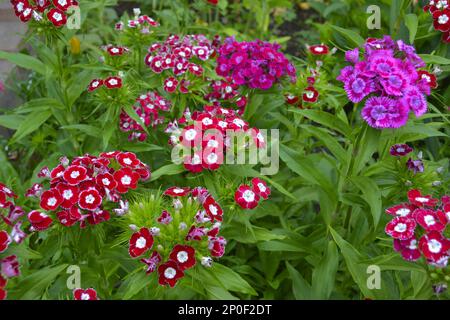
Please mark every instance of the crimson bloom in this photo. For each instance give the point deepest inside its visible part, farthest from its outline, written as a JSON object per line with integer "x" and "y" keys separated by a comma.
{"x": 260, "y": 188}
{"x": 310, "y": 94}
{"x": 246, "y": 197}
{"x": 177, "y": 191}
{"x": 5, "y": 240}
{"x": 140, "y": 242}
{"x": 113, "y": 82}
{"x": 434, "y": 246}
{"x": 51, "y": 199}
{"x": 57, "y": 17}
{"x": 401, "y": 228}
{"x": 184, "y": 256}
{"x": 416, "y": 198}
{"x": 400, "y": 150}
{"x": 89, "y": 199}
{"x": 319, "y": 49}
{"x": 169, "y": 273}
{"x": 85, "y": 294}
{"x": 126, "y": 179}
{"x": 39, "y": 221}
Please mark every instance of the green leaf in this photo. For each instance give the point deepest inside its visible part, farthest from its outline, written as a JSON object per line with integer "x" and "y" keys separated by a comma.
{"x": 32, "y": 287}
{"x": 411, "y": 23}
{"x": 231, "y": 280}
{"x": 24, "y": 61}
{"x": 326, "y": 119}
{"x": 371, "y": 194}
{"x": 432, "y": 59}
{"x": 167, "y": 170}
{"x": 30, "y": 124}
{"x": 324, "y": 273}
{"x": 350, "y": 35}
{"x": 300, "y": 287}
{"x": 85, "y": 128}
{"x": 11, "y": 121}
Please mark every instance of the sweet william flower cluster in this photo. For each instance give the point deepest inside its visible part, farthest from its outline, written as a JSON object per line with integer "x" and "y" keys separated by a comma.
{"x": 79, "y": 190}
{"x": 54, "y": 11}
{"x": 185, "y": 231}
{"x": 440, "y": 11}
{"x": 248, "y": 197}
{"x": 10, "y": 232}
{"x": 391, "y": 79}
{"x": 418, "y": 228}
{"x": 256, "y": 64}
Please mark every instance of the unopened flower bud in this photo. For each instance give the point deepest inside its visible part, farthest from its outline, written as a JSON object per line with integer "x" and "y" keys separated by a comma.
{"x": 177, "y": 204}
{"x": 155, "y": 231}
{"x": 440, "y": 170}
{"x": 207, "y": 262}
{"x": 437, "y": 70}
{"x": 137, "y": 12}
{"x": 420, "y": 155}
{"x": 160, "y": 247}
{"x": 182, "y": 226}
{"x": 436, "y": 183}
{"x": 133, "y": 227}
{"x": 408, "y": 183}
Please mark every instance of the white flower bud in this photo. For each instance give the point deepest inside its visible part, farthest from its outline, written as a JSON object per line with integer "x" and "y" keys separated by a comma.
{"x": 207, "y": 262}
{"x": 182, "y": 226}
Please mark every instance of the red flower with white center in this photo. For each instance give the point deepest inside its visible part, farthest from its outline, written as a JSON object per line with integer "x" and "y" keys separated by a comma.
{"x": 113, "y": 82}
{"x": 429, "y": 220}
{"x": 106, "y": 180}
{"x": 169, "y": 273}
{"x": 57, "y": 17}
{"x": 165, "y": 217}
{"x": 441, "y": 20}
{"x": 213, "y": 209}
{"x": 180, "y": 67}
{"x": 429, "y": 78}
{"x": 5, "y": 240}
{"x": 143, "y": 171}
{"x": 319, "y": 49}
{"x": 75, "y": 175}
{"x": 177, "y": 191}
{"x": 260, "y": 188}
{"x": 191, "y": 136}
{"x": 195, "y": 69}
{"x": 140, "y": 242}
{"x": 156, "y": 64}
{"x": 193, "y": 163}
{"x": 184, "y": 256}
{"x": 20, "y": 6}
{"x": 195, "y": 233}
{"x": 401, "y": 210}
{"x": 7, "y": 191}
{"x": 51, "y": 199}
{"x": 69, "y": 217}
{"x": 109, "y": 155}
{"x": 401, "y": 228}
{"x": 152, "y": 262}
{"x": 128, "y": 159}
{"x": 434, "y": 246}
{"x": 291, "y": 99}
{"x": 416, "y": 198}
{"x": 95, "y": 84}
{"x": 62, "y": 4}
{"x": 310, "y": 95}
{"x": 88, "y": 294}
{"x": 212, "y": 159}
{"x": 444, "y": 215}
{"x": 237, "y": 123}
{"x": 409, "y": 249}
{"x": 201, "y": 52}
{"x": 170, "y": 84}
{"x": 246, "y": 197}
{"x": 168, "y": 62}
{"x": 26, "y": 14}
{"x": 41, "y": 5}
{"x": 69, "y": 194}
{"x": 126, "y": 179}
{"x": 39, "y": 221}
{"x": 216, "y": 246}
{"x": 89, "y": 199}
{"x": 115, "y": 51}
{"x": 57, "y": 172}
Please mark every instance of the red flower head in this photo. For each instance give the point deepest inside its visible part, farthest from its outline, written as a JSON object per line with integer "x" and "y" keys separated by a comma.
{"x": 10, "y": 267}
{"x": 195, "y": 69}
{"x": 95, "y": 84}
{"x": 165, "y": 218}
{"x": 140, "y": 242}
{"x": 429, "y": 78}
{"x": 434, "y": 246}
{"x": 260, "y": 188}
{"x": 291, "y": 99}
{"x": 98, "y": 216}
{"x": 51, "y": 199}
{"x": 88, "y": 294}
{"x": 177, "y": 191}
{"x": 191, "y": 136}
{"x": 115, "y": 51}
{"x": 75, "y": 174}
{"x": 319, "y": 49}
{"x": 212, "y": 158}
{"x": 5, "y": 240}
{"x": 442, "y": 20}
{"x": 217, "y": 246}
{"x": 89, "y": 199}
{"x": 408, "y": 248}
{"x": 310, "y": 95}
{"x": 429, "y": 220}
{"x": 401, "y": 210}
{"x": 400, "y": 150}
{"x": 213, "y": 2}
{"x": 39, "y": 221}
{"x": 213, "y": 209}
{"x": 57, "y": 17}
{"x": 416, "y": 198}
{"x": 184, "y": 256}
{"x": 113, "y": 82}
{"x": 170, "y": 84}
{"x": 69, "y": 194}
{"x": 106, "y": 180}
{"x": 41, "y": 5}
{"x": 69, "y": 217}
{"x": 401, "y": 228}
{"x": 152, "y": 262}
{"x": 246, "y": 197}
{"x": 126, "y": 179}
{"x": 169, "y": 273}
{"x": 193, "y": 163}
{"x": 62, "y": 4}
{"x": 128, "y": 159}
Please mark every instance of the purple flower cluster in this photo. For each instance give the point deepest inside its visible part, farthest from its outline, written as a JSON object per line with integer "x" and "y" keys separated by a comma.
{"x": 388, "y": 76}
{"x": 256, "y": 64}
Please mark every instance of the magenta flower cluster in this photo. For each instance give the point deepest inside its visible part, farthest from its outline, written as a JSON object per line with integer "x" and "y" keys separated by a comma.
{"x": 388, "y": 76}
{"x": 256, "y": 64}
